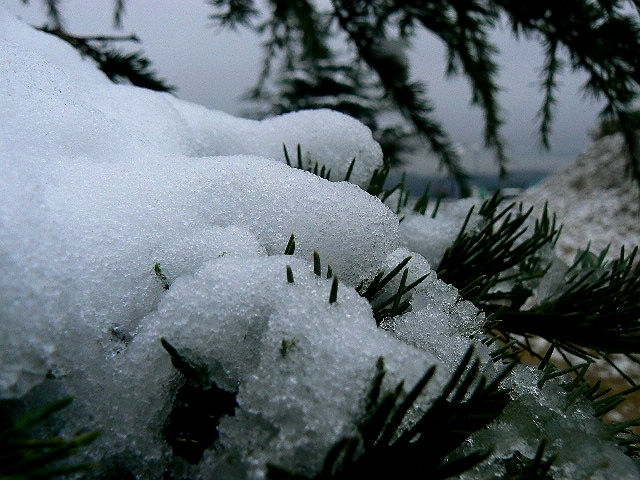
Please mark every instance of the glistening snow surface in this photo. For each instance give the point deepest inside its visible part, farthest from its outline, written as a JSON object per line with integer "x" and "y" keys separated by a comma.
{"x": 102, "y": 182}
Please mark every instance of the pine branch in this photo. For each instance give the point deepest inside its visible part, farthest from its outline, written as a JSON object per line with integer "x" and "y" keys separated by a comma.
{"x": 463, "y": 29}
{"x": 600, "y": 38}
{"x": 232, "y": 13}
{"x": 164, "y": 281}
{"x": 23, "y": 455}
{"x": 117, "y": 66}
{"x": 595, "y": 310}
{"x": 390, "y": 446}
{"x": 355, "y": 18}
{"x": 53, "y": 13}
{"x": 602, "y": 399}
{"x": 499, "y": 250}
{"x": 549, "y": 86}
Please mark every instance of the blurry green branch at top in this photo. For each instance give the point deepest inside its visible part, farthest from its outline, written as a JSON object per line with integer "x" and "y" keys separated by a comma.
{"x": 350, "y": 56}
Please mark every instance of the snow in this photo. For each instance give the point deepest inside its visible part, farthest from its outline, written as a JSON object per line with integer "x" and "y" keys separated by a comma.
{"x": 432, "y": 236}
{"x": 103, "y": 184}
{"x": 595, "y": 200}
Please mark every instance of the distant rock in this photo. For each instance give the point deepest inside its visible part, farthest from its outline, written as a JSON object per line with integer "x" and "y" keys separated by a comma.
{"x": 594, "y": 198}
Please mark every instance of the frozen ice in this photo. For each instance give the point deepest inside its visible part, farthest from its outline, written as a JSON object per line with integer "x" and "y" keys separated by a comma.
{"x": 128, "y": 215}
{"x": 577, "y": 438}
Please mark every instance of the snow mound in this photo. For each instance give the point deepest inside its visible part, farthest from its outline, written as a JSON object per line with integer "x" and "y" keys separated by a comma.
{"x": 595, "y": 200}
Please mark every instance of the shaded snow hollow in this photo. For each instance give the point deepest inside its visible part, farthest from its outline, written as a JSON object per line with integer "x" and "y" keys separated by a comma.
{"x": 100, "y": 182}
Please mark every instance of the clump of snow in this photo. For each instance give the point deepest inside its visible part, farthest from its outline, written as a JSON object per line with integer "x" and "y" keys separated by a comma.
{"x": 99, "y": 119}
{"x": 128, "y": 215}
{"x": 93, "y": 232}
{"x": 595, "y": 200}
{"x": 334, "y": 146}
{"x": 96, "y": 201}
{"x": 234, "y": 315}
{"x": 432, "y": 236}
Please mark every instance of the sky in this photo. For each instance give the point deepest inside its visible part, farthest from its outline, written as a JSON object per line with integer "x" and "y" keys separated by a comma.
{"x": 214, "y": 67}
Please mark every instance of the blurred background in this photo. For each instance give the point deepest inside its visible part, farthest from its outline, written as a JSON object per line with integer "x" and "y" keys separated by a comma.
{"x": 216, "y": 67}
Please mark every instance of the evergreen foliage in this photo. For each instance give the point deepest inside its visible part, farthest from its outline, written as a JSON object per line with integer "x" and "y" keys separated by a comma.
{"x": 481, "y": 260}
{"x": 597, "y": 38}
{"x": 394, "y": 304}
{"x": 592, "y": 314}
{"x": 369, "y": 72}
{"x": 610, "y": 126}
{"x": 599, "y": 303}
{"x": 387, "y": 446}
{"x": 118, "y": 66}
{"x": 27, "y": 455}
{"x": 595, "y": 309}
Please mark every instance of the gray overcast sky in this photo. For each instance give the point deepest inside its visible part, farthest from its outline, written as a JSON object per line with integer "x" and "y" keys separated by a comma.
{"x": 213, "y": 68}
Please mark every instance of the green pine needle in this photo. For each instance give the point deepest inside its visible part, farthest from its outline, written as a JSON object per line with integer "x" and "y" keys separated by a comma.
{"x": 381, "y": 280}
{"x": 286, "y": 155}
{"x": 333, "y": 294}
{"x": 289, "y": 274}
{"x": 317, "y": 268}
{"x": 161, "y": 276}
{"x": 291, "y": 245}
{"x": 347, "y": 177}
{"x": 25, "y": 456}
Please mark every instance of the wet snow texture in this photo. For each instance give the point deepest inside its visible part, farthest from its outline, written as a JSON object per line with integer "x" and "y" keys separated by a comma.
{"x": 101, "y": 182}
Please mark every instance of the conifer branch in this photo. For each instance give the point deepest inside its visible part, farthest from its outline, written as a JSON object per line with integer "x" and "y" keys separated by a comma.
{"x": 24, "y": 455}
{"x": 388, "y": 445}
{"x": 463, "y": 30}
{"x": 232, "y": 13}
{"x": 596, "y": 310}
{"x": 498, "y": 250}
{"x": 117, "y": 66}
{"x": 53, "y": 13}
{"x": 409, "y": 97}
{"x": 552, "y": 67}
